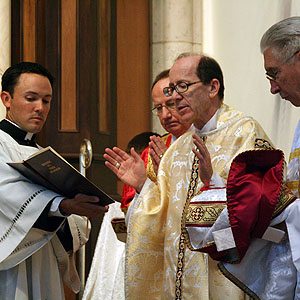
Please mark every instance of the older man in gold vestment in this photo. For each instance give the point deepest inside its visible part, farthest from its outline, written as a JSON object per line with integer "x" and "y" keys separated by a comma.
{"x": 158, "y": 263}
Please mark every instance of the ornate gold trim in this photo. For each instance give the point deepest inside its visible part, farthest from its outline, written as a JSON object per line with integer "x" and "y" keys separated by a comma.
{"x": 262, "y": 144}
{"x": 203, "y": 214}
{"x": 293, "y": 185}
{"x": 294, "y": 154}
{"x": 286, "y": 197}
{"x": 182, "y": 240}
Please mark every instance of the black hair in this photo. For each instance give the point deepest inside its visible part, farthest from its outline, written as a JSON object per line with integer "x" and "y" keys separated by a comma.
{"x": 207, "y": 70}
{"x": 140, "y": 141}
{"x": 11, "y": 75}
{"x": 162, "y": 75}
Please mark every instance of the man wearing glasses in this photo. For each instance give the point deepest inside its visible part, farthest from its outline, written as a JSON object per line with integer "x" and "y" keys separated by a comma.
{"x": 159, "y": 265}
{"x": 171, "y": 121}
{"x": 280, "y": 46}
{"x": 277, "y": 265}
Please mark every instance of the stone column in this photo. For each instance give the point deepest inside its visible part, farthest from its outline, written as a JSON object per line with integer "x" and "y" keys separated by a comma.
{"x": 176, "y": 28}
{"x": 4, "y": 41}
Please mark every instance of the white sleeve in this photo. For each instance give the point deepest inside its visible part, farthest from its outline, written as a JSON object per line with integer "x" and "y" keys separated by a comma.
{"x": 54, "y": 208}
{"x": 216, "y": 181}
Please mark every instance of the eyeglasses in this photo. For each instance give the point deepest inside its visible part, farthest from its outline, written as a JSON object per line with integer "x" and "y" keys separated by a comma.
{"x": 273, "y": 73}
{"x": 170, "y": 105}
{"x": 180, "y": 87}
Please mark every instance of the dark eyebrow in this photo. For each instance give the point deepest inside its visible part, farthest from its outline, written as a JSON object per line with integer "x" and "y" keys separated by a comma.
{"x": 37, "y": 94}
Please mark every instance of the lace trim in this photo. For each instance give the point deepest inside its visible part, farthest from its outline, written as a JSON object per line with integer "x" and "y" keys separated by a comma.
{"x": 81, "y": 243}
{"x": 19, "y": 214}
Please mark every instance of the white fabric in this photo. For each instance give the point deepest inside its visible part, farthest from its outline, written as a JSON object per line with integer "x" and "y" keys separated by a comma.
{"x": 17, "y": 218}
{"x": 35, "y": 267}
{"x": 269, "y": 270}
{"x": 106, "y": 277}
{"x": 293, "y": 212}
{"x": 272, "y": 271}
{"x": 33, "y": 262}
{"x": 54, "y": 208}
{"x": 294, "y": 163}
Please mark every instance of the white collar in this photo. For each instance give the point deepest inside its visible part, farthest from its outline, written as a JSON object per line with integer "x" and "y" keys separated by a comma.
{"x": 28, "y": 136}
{"x": 210, "y": 125}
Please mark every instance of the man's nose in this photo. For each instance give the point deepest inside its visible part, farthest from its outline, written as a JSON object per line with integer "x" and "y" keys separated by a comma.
{"x": 176, "y": 95}
{"x": 165, "y": 113}
{"x": 38, "y": 105}
{"x": 274, "y": 87}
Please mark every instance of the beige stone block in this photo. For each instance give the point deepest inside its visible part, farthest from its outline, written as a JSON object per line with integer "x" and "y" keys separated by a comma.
{"x": 174, "y": 20}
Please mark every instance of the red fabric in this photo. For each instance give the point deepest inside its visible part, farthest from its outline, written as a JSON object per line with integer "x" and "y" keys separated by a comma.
{"x": 168, "y": 140}
{"x": 253, "y": 189}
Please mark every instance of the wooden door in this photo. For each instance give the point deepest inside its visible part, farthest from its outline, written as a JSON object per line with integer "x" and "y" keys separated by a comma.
{"x": 84, "y": 44}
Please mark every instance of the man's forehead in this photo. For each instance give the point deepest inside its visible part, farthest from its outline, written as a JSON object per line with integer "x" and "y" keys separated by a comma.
{"x": 157, "y": 91}
{"x": 183, "y": 68}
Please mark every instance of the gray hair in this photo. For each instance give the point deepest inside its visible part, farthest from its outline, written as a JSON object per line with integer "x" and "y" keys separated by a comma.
{"x": 283, "y": 38}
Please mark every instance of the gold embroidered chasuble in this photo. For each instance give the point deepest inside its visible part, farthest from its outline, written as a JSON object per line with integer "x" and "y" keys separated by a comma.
{"x": 155, "y": 266}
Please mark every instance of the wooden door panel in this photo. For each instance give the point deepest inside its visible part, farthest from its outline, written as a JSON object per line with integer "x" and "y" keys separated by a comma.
{"x": 77, "y": 41}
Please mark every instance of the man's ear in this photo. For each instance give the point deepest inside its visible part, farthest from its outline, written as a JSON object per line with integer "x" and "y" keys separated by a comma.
{"x": 6, "y": 99}
{"x": 214, "y": 88}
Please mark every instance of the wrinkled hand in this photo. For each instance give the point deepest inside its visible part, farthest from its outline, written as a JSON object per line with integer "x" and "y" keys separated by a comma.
{"x": 130, "y": 169}
{"x": 157, "y": 150}
{"x": 82, "y": 205}
{"x": 205, "y": 166}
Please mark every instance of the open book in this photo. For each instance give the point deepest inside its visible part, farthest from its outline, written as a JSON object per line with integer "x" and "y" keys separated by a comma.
{"x": 49, "y": 169}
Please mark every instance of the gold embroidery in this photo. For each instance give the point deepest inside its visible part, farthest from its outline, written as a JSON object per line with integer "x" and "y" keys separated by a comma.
{"x": 286, "y": 197}
{"x": 203, "y": 214}
{"x": 293, "y": 185}
{"x": 262, "y": 144}
{"x": 295, "y": 154}
{"x": 183, "y": 234}
{"x": 182, "y": 240}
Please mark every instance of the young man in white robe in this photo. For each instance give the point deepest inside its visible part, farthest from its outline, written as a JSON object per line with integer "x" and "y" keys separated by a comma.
{"x": 40, "y": 230}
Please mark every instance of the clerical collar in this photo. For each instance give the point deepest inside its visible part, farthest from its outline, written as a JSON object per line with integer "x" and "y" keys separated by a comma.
{"x": 19, "y": 135}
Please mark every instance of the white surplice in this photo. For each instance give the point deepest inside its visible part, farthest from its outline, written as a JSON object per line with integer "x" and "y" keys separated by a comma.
{"x": 33, "y": 262}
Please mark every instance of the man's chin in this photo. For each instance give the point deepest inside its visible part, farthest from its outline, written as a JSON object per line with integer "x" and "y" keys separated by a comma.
{"x": 35, "y": 128}
{"x": 294, "y": 101}
{"x": 172, "y": 127}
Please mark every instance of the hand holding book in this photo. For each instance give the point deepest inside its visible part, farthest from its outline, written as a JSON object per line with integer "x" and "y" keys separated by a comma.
{"x": 82, "y": 205}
